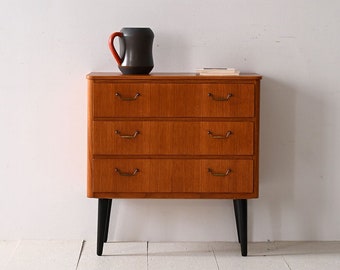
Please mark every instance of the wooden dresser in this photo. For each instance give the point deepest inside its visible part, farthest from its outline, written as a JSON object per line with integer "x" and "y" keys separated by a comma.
{"x": 173, "y": 136}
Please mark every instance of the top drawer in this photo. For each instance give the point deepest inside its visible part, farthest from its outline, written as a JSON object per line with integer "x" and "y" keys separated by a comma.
{"x": 173, "y": 100}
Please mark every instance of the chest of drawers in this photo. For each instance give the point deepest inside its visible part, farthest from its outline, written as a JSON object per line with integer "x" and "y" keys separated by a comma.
{"x": 173, "y": 136}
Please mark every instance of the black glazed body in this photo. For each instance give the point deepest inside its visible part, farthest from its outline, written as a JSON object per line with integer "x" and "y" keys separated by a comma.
{"x": 135, "y": 50}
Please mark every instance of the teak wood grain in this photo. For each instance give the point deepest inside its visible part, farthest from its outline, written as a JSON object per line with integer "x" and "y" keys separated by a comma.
{"x": 173, "y": 138}
{"x": 173, "y": 175}
{"x": 173, "y": 100}
{"x": 180, "y": 119}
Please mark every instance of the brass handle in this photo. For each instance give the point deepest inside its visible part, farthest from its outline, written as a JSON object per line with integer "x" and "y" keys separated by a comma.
{"x": 226, "y": 136}
{"x": 228, "y": 171}
{"x": 126, "y": 136}
{"x": 220, "y": 98}
{"x": 126, "y": 173}
{"x": 127, "y": 98}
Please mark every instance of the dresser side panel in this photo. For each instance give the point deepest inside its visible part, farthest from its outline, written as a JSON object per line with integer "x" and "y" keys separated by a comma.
{"x": 257, "y": 138}
{"x": 89, "y": 138}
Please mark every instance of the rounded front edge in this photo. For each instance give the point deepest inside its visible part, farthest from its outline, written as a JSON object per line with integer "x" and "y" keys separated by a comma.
{"x": 170, "y": 195}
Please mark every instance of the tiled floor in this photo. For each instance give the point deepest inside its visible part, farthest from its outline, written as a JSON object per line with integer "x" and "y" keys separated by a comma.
{"x": 80, "y": 255}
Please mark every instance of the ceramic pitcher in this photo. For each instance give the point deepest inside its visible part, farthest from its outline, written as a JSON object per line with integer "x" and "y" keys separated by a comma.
{"x": 135, "y": 50}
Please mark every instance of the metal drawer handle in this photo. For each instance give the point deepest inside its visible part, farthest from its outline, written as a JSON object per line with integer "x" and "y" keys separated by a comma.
{"x": 218, "y": 173}
{"x": 126, "y": 173}
{"x": 226, "y": 136}
{"x": 220, "y": 98}
{"x": 127, "y": 98}
{"x": 126, "y": 136}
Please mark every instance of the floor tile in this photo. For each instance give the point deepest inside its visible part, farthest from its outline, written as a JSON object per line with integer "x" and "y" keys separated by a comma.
{"x": 37, "y": 255}
{"x": 7, "y": 249}
{"x": 310, "y": 255}
{"x": 42, "y": 255}
{"x": 189, "y": 256}
{"x": 120, "y": 255}
{"x": 313, "y": 262}
{"x": 228, "y": 256}
{"x": 299, "y": 248}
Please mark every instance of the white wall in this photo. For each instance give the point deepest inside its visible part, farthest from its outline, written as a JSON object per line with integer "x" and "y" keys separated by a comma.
{"x": 47, "y": 48}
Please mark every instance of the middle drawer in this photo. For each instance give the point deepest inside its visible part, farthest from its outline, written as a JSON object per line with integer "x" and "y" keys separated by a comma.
{"x": 173, "y": 138}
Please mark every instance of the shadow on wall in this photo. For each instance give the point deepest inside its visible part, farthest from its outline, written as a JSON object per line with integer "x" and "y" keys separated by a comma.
{"x": 293, "y": 196}
{"x": 290, "y": 167}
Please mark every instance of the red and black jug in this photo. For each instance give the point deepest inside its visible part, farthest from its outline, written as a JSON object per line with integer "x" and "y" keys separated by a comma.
{"x": 135, "y": 50}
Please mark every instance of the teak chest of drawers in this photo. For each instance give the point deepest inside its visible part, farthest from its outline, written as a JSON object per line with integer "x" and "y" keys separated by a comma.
{"x": 173, "y": 136}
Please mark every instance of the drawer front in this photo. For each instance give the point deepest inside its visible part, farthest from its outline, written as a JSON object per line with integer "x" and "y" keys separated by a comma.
{"x": 120, "y": 175}
{"x": 173, "y": 175}
{"x": 173, "y": 100}
{"x": 121, "y": 100}
{"x": 172, "y": 138}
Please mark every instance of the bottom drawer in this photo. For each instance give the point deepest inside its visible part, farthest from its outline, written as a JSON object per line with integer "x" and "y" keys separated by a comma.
{"x": 172, "y": 175}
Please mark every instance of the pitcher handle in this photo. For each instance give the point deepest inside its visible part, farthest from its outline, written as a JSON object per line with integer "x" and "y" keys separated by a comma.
{"x": 112, "y": 48}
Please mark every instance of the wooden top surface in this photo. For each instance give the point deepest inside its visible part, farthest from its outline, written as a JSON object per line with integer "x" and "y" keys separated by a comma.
{"x": 168, "y": 76}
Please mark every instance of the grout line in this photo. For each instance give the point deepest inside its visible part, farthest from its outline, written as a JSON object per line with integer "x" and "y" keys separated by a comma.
{"x": 80, "y": 253}
{"x": 218, "y": 267}
{"x": 11, "y": 256}
{"x": 284, "y": 259}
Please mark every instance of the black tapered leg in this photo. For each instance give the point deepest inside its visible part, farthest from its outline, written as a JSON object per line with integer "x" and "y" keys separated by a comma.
{"x": 107, "y": 222}
{"x": 103, "y": 207}
{"x": 237, "y": 218}
{"x": 240, "y": 208}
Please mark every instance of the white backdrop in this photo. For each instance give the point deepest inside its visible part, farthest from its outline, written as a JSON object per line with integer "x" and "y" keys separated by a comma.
{"x": 48, "y": 47}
